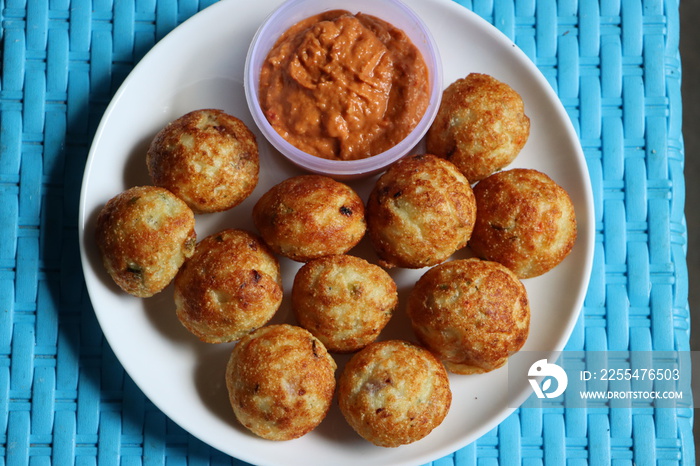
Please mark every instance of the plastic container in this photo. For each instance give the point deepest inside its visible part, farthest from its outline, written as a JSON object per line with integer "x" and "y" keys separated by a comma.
{"x": 293, "y": 11}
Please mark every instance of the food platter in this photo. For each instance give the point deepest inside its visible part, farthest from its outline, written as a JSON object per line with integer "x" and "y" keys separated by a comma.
{"x": 200, "y": 65}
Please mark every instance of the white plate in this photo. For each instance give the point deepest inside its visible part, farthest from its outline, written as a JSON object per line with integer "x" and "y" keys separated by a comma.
{"x": 200, "y": 64}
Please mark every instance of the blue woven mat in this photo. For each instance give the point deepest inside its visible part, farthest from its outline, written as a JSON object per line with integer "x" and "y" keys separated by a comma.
{"x": 64, "y": 398}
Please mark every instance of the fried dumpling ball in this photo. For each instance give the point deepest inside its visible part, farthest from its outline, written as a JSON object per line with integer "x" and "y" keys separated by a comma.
{"x": 310, "y": 216}
{"x": 420, "y": 211}
{"x": 472, "y": 314}
{"x": 144, "y": 234}
{"x": 208, "y": 158}
{"x": 526, "y": 221}
{"x": 343, "y": 300}
{"x": 280, "y": 381}
{"x": 480, "y": 126}
{"x": 229, "y": 287}
{"x": 394, "y": 393}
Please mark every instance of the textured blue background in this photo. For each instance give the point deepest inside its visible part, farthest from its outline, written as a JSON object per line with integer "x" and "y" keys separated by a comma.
{"x": 65, "y": 399}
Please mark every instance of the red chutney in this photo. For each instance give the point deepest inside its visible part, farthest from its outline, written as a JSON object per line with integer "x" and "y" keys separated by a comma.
{"x": 343, "y": 86}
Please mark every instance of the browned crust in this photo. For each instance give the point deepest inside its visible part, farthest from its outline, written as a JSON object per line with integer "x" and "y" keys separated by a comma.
{"x": 526, "y": 222}
{"x": 229, "y": 287}
{"x": 480, "y": 126}
{"x": 394, "y": 393}
{"x": 310, "y": 216}
{"x": 144, "y": 234}
{"x": 420, "y": 212}
{"x": 473, "y": 314}
{"x": 206, "y": 157}
{"x": 343, "y": 300}
{"x": 280, "y": 381}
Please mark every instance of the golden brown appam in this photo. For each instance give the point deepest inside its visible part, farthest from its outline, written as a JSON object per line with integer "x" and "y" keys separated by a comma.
{"x": 420, "y": 211}
{"x": 309, "y": 216}
{"x": 144, "y": 234}
{"x": 472, "y": 314}
{"x": 343, "y": 300}
{"x": 394, "y": 393}
{"x": 280, "y": 381}
{"x": 526, "y": 221}
{"x": 481, "y": 126}
{"x": 206, "y": 157}
{"x": 229, "y": 287}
